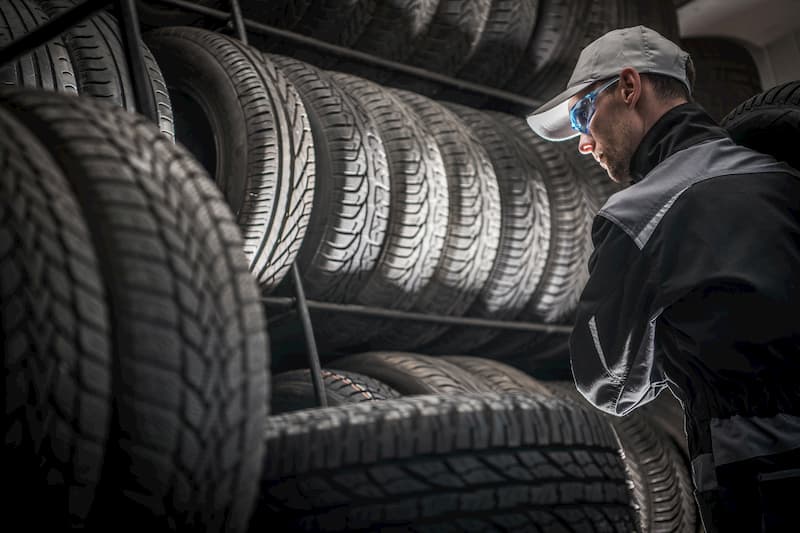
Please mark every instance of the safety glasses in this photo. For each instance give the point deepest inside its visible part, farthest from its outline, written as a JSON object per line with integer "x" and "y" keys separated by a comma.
{"x": 582, "y": 112}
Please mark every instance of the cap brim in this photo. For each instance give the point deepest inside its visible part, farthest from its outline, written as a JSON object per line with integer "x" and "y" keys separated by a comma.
{"x": 551, "y": 121}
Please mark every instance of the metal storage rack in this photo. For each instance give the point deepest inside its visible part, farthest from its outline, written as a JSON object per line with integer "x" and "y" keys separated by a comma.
{"x": 131, "y": 35}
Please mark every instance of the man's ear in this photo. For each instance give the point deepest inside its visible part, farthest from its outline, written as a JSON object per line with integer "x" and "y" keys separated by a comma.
{"x": 631, "y": 85}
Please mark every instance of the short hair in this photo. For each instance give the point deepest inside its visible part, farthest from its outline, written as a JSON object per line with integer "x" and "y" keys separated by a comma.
{"x": 668, "y": 87}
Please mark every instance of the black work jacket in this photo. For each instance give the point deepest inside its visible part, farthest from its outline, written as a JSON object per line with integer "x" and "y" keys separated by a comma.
{"x": 695, "y": 285}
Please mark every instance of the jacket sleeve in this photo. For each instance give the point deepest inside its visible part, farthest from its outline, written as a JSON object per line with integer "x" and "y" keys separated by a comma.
{"x": 612, "y": 347}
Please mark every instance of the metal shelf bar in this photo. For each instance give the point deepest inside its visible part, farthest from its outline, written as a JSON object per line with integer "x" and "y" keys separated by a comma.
{"x": 361, "y": 310}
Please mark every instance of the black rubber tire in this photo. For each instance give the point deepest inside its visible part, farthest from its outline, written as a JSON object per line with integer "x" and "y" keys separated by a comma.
{"x": 285, "y": 14}
{"x": 46, "y": 67}
{"x": 190, "y": 356}
{"x": 411, "y": 374}
{"x": 154, "y": 14}
{"x": 240, "y": 116}
{"x": 473, "y": 233}
{"x": 659, "y": 15}
{"x": 565, "y": 27}
{"x": 394, "y": 26}
{"x": 596, "y": 187}
{"x": 450, "y": 40}
{"x": 497, "y": 54}
{"x": 498, "y": 376}
{"x": 508, "y": 29}
{"x": 524, "y": 234}
{"x": 348, "y": 224}
{"x": 293, "y": 390}
{"x": 769, "y": 122}
{"x": 97, "y": 53}
{"x": 337, "y": 21}
{"x": 418, "y": 214}
{"x": 667, "y": 413}
{"x": 683, "y": 469}
{"x": 55, "y": 338}
{"x": 483, "y": 462}
{"x": 560, "y": 287}
{"x": 653, "y": 466}
{"x": 726, "y": 74}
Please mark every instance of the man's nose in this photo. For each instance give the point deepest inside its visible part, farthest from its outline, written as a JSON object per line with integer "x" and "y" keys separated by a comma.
{"x": 585, "y": 144}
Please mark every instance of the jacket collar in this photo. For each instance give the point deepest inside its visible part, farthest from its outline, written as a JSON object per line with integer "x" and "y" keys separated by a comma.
{"x": 681, "y": 127}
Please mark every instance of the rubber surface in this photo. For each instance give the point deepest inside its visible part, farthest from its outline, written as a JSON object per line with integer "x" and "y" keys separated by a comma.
{"x": 557, "y": 294}
{"x": 257, "y": 139}
{"x": 190, "y": 359}
{"x": 55, "y": 338}
{"x": 97, "y": 53}
{"x": 410, "y": 373}
{"x": 657, "y": 471}
{"x": 498, "y": 376}
{"x": 473, "y": 232}
{"x": 418, "y": 212}
{"x": 484, "y": 462}
{"x": 46, "y": 67}
{"x": 293, "y": 390}
{"x": 524, "y": 234}
{"x": 769, "y": 122}
{"x": 726, "y": 74}
{"x": 347, "y": 227}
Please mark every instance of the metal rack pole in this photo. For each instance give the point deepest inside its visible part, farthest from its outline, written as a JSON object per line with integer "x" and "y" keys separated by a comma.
{"x": 51, "y": 29}
{"x": 131, "y": 39}
{"x": 313, "y": 355}
{"x": 238, "y": 22}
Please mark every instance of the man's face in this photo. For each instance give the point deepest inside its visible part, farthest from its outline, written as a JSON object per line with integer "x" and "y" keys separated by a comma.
{"x": 611, "y": 138}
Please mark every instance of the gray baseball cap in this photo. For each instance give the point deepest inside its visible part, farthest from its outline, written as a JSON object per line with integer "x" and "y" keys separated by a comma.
{"x": 639, "y": 47}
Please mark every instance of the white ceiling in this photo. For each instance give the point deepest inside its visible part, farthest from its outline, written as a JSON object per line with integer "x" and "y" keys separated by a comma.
{"x": 758, "y": 22}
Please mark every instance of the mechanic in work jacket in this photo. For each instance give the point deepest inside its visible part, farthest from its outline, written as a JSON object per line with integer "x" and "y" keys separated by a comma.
{"x": 695, "y": 286}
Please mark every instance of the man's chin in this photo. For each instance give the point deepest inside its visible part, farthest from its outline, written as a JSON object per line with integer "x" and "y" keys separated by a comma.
{"x": 623, "y": 178}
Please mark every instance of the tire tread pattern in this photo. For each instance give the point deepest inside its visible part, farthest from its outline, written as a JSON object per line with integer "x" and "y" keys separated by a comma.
{"x": 98, "y": 56}
{"x": 445, "y": 463}
{"x": 293, "y": 390}
{"x": 275, "y": 204}
{"x": 48, "y": 66}
{"x": 189, "y": 374}
{"x": 55, "y": 337}
{"x": 347, "y": 228}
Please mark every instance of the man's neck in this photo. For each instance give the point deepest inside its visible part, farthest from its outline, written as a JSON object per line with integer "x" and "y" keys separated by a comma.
{"x": 679, "y": 127}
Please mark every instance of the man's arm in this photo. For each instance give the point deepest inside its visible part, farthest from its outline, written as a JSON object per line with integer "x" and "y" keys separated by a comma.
{"x": 612, "y": 347}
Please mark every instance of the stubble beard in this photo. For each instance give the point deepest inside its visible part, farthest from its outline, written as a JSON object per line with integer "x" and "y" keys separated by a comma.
{"x": 618, "y": 156}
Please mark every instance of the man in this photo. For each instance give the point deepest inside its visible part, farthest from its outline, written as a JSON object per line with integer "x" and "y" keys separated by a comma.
{"x": 695, "y": 276}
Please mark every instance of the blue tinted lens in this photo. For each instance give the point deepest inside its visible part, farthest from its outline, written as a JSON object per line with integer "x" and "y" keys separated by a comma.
{"x": 581, "y": 113}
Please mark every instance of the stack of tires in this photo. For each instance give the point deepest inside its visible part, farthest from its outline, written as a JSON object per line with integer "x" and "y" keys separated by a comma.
{"x": 532, "y": 482}
{"x": 134, "y": 343}
{"x": 384, "y": 197}
{"x": 524, "y": 46}
{"x": 135, "y": 346}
